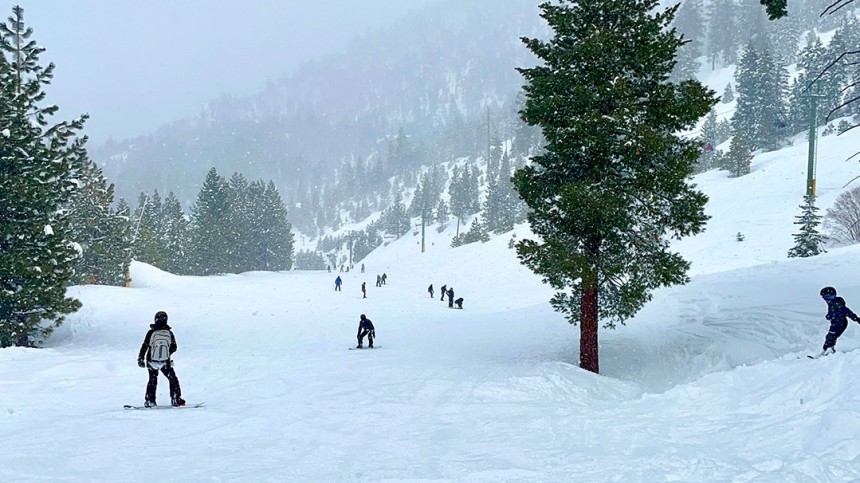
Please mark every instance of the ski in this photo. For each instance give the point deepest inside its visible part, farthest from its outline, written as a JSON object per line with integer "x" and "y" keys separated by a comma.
{"x": 196, "y": 405}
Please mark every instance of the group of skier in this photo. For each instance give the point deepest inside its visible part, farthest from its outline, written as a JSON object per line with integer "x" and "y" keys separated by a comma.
{"x": 449, "y": 292}
{"x": 159, "y": 344}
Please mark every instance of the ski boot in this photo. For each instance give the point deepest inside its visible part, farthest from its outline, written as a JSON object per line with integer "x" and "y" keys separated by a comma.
{"x": 149, "y": 404}
{"x": 177, "y": 401}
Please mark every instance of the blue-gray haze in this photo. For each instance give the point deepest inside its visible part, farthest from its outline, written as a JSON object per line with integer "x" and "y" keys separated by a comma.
{"x": 136, "y": 65}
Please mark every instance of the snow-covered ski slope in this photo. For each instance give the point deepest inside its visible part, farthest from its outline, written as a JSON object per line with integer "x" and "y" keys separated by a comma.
{"x": 704, "y": 384}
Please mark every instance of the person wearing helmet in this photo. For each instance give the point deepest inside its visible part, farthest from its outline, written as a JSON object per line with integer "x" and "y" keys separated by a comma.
{"x": 837, "y": 314}
{"x": 365, "y": 328}
{"x": 155, "y": 354}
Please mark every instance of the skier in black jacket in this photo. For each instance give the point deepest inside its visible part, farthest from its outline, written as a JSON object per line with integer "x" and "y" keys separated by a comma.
{"x": 155, "y": 354}
{"x": 365, "y": 328}
{"x": 838, "y": 315}
{"x": 450, "y": 297}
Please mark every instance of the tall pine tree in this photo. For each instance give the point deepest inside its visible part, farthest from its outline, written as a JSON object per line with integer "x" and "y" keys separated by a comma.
{"x": 613, "y": 182}
{"x": 37, "y": 250}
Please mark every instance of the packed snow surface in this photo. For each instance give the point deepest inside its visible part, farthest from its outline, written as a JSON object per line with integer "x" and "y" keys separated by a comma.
{"x": 709, "y": 382}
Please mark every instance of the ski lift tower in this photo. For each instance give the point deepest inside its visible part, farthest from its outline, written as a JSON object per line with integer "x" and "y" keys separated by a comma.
{"x": 812, "y": 158}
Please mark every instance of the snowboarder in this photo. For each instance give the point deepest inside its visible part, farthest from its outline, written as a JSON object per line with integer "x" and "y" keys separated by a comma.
{"x": 158, "y": 345}
{"x": 837, "y": 314}
{"x": 364, "y": 290}
{"x": 365, "y": 328}
{"x": 337, "y": 283}
{"x": 459, "y": 303}
{"x": 443, "y": 292}
{"x": 384, "y": 278}
{"x": 430, "y": 289}
{"x": 451, "y": 298}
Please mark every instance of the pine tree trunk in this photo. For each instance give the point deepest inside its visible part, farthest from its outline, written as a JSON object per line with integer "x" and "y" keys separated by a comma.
{"x": 588, "y": 350}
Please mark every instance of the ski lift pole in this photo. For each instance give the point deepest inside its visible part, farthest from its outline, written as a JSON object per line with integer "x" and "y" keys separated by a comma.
{"x": 134, "y": 239}
{"x": 813, "y": 134}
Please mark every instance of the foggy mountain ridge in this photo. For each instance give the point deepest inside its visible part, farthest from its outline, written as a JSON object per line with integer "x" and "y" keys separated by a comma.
{"x": 444, "y": 65}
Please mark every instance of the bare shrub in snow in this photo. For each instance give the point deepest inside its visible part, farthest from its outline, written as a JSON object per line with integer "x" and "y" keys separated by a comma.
{"x": 842, "y": 221}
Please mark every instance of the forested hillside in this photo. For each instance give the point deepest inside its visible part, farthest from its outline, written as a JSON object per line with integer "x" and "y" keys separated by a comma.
{"x": 346, "y": 136}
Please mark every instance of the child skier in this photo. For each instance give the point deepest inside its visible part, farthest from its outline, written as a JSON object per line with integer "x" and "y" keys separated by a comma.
{"x": 837, "y": 314}
{"x": 365, "y": 328}
{"x": 158, "y": 345}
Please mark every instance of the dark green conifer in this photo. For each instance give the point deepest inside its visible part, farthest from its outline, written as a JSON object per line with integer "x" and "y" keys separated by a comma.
{"x": 613, "y": 183}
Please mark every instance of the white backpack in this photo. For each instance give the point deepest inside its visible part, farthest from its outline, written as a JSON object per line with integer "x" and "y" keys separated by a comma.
{"x": 159, "y": 348}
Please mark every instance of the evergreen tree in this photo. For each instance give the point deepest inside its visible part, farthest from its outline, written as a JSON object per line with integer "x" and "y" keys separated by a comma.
{"x": 503, "y": 207}
{"x": 103, "y": 233}
{"x": 147, "y": 237}
{"x": 613, "y": 182}
{"x": 460, "y": 204}
{"x": 761, "y": 85}
{"x": 728, "y": 94}
{"x": 441, "y": 212}
{"x": 175, "y": 236}
{"x": 722, "y": 18}
{"x": 240, "y": 234}
{"x": 272, "y": 241}
{"x": 809, "y": 242}
{"x": 309, "y": 260}
{"x": 210, "y": 227}
{"x": 709, "y": 142}
{"x": 738, "y": 160}
{"x": 690, "y": 23}
{"x": 477, "y": 233}
{"x": 37, "y": 252}
{"x": 396, "y": 218}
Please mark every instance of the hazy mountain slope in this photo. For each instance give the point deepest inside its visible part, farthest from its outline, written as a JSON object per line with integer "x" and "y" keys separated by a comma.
{"x": 445, "y": 64}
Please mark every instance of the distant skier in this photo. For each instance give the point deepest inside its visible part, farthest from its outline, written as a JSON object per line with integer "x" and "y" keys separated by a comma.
{"x": 378, "y": 281}
{"x": 837, "y": 314}
{"x": 364, "y": 290}
{"x": 365, "y": 328}
{"x": 384, "y": 278}
{"x": 430, "y": 290}
{"x": 451, "y": 297}
{"x": 337, "y": 283}
{"x": 158, "y": 345}
{"x": 459, "y": 303}
{"x": 328, "y": 267}
{"x": 443, "y": 292}
{"x": 362, "y": 268}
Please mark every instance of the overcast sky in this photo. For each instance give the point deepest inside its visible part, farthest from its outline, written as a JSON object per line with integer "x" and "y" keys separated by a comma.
{"x": 134, "y": 65}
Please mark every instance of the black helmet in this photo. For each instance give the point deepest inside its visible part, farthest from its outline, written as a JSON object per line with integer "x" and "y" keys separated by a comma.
{"x": 363, "y": 317}
{"x": 828, "y": 292}
{"x": 161, "y": 317}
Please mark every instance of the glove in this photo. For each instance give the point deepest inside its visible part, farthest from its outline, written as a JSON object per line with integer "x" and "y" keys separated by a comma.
{"x": 140, "y": 363}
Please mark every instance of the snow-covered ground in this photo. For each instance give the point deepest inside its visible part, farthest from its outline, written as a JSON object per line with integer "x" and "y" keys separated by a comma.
{"x": 705, "y": 384}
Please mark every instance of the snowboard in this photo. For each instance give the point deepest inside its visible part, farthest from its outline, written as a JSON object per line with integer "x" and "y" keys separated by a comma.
{"x": 364, "y": 348}
{"x": 167, "y": 406}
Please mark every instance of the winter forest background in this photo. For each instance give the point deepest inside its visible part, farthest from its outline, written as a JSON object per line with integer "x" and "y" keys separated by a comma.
{"x": 363, "y": 147}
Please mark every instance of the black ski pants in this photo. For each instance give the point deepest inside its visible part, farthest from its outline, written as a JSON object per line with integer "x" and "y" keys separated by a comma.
{"x": 836, "y": 329}
{"x": 369, "y": 334}
{"x": 152, "y": 385}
